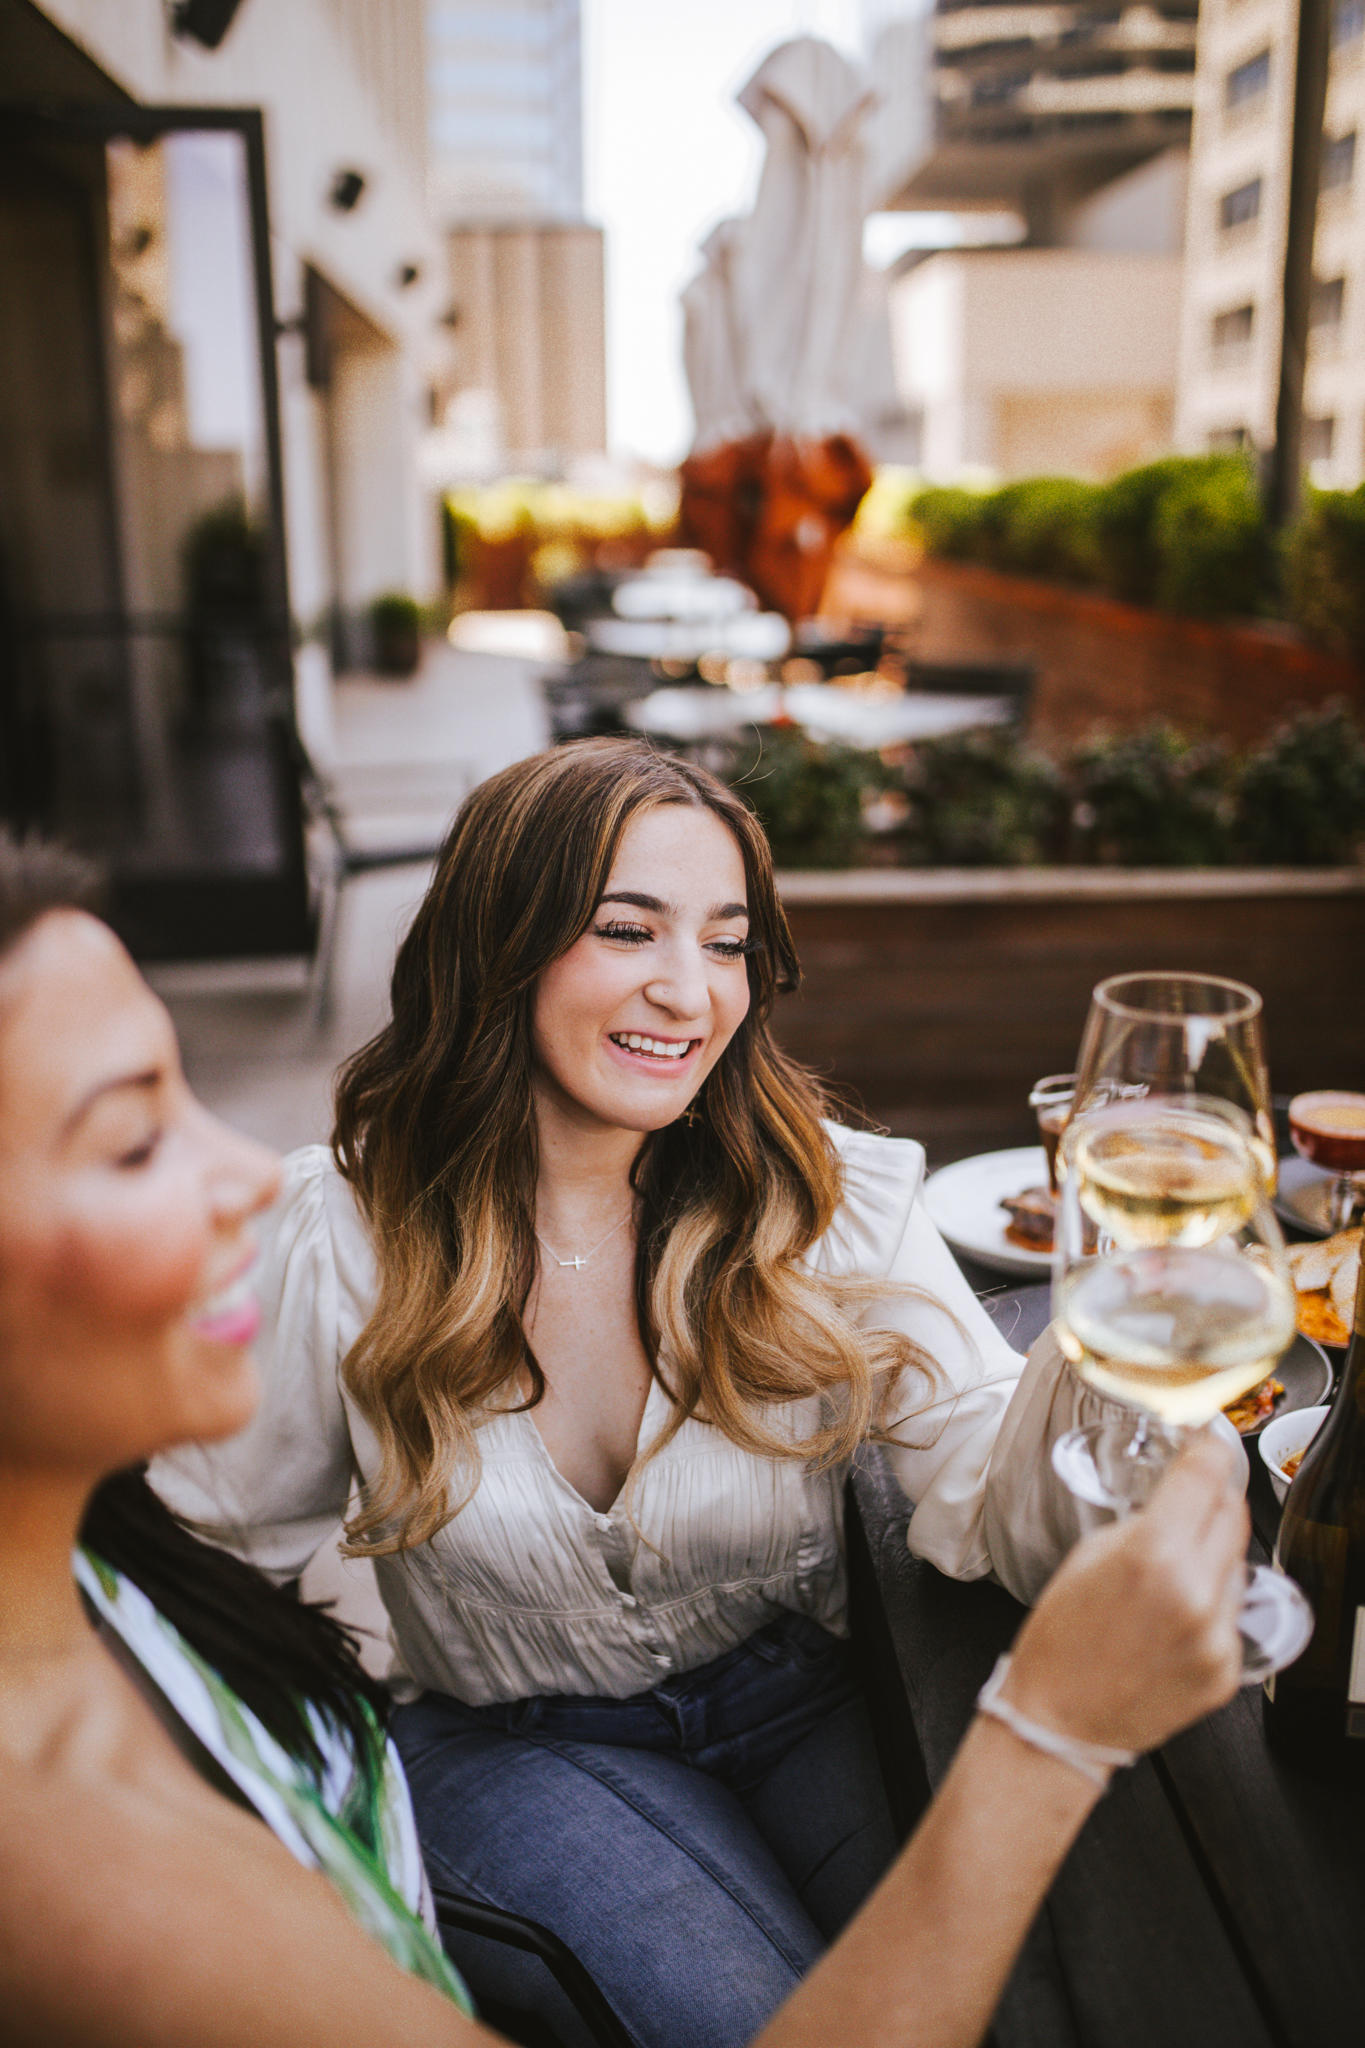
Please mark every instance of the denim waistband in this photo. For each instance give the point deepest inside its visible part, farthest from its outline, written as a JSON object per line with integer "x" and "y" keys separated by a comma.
{"x": 791, "y": 1661}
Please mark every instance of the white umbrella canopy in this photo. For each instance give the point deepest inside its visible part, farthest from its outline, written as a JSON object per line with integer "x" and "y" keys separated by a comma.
{"x": 777, "y": 321}
{"x": 711, "y": 346}
{"x": 787, "y": 345}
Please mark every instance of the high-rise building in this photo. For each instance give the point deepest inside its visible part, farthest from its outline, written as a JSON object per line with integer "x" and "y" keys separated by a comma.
{"x": 505, "y": 97}
{"x": 526, "y": 270}
{"x": 1235, "y": 240}
{"x": 1036, "y": 106}
{"x": 1056, "y": 352}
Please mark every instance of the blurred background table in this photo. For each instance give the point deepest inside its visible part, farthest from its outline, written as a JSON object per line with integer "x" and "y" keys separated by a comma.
{"x": 855, "y": 718}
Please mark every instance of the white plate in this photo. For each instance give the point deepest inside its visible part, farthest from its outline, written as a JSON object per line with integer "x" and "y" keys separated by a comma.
{"x": 964, "y": 1201}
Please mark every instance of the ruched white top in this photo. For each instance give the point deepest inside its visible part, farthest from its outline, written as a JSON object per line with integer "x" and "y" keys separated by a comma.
{"x": 529, "y": 1590}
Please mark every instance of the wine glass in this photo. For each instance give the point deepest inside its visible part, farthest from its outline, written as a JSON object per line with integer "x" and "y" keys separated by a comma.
{"x": 1179, "y": 1034}
{"x": 1172, "y": 1296}
{"x": 1328, "y": 1127}
{"x": 1051, "y": 1101}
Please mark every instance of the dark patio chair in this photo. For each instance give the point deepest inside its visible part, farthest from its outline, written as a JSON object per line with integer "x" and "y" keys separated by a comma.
{"x": 346, "y": 860}
{"x": 457, "y": 1914}
{"x": 984, "y": 678}
{"x": 874, "y": 1654}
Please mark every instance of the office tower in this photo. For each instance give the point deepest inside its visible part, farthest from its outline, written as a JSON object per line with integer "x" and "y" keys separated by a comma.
{"x": 526, "y": 269}
{"x": 1235, "y": 240}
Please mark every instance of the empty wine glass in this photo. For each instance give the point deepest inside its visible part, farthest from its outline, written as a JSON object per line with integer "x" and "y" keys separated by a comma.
{"x": 1172, "y": 1297}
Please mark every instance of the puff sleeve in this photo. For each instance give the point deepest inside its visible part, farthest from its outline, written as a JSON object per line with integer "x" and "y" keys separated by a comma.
{"x": 277, "y": 1492}
{"x": 972, "y": 1450}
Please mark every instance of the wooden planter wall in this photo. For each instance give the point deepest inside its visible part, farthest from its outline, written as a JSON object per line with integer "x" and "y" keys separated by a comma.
{"x": 939, "y": 998}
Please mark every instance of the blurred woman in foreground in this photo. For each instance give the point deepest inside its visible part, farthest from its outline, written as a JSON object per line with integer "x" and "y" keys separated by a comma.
{"x": 142, "y": 1902}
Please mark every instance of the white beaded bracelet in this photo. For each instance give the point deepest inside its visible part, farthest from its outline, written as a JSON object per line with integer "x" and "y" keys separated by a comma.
{"x": 1092, "y": 1759}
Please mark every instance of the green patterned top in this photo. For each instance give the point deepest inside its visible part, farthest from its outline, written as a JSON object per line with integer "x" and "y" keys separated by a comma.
{"x": 353, "y": 1822}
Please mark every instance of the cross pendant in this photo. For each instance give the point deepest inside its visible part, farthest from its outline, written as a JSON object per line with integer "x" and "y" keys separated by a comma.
{"x": 576, "y": 1263}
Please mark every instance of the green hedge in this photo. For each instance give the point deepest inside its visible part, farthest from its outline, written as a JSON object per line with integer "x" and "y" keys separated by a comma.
{"x": 1325, "y": 570}
{"x": 1151, "y": 798}
{"x": 1187, "y": 534}
{"x": 809, "y": 796}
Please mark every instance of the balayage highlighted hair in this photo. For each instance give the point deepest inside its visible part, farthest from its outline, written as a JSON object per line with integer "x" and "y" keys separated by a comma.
{"x": 436, "y": 1132}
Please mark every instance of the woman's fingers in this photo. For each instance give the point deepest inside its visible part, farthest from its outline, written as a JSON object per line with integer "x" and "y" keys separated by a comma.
{"x": 1203, "y": 1479}
{"x": 1198, "y": 1518}
{"x": 1137, "y": 1634}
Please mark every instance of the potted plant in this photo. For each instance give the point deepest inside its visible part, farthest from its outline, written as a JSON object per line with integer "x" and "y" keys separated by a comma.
{"x": 395, "y": 627}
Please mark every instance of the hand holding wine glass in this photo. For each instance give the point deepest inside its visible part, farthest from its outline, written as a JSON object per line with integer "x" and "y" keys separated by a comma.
{"x": 1172, "y": 1296}
{"x": 1154, "y": 1599}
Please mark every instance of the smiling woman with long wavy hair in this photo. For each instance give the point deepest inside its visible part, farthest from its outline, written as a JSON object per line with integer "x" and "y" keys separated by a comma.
{"x": 436, "y": 1132}
{"x": 595, "y": 1303}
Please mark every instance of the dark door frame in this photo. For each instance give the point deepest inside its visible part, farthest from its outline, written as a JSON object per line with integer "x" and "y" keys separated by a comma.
{"x": 175, "y": 918}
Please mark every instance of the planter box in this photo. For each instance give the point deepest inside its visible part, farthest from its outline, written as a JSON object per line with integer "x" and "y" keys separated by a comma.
{"x": 937, "y": 997}
{"x": 1099, "y": 662}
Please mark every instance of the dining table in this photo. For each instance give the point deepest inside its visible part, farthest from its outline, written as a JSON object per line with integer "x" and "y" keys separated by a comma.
{"x": 880, "y": 717}
{"x": 1216, "y": 1896}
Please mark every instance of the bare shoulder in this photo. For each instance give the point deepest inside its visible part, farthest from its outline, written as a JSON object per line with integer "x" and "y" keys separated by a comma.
{"x": 125, "y": 1923}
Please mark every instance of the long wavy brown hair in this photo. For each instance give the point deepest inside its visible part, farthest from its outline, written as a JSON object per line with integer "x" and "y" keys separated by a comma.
{"x": 436, "y": 1132}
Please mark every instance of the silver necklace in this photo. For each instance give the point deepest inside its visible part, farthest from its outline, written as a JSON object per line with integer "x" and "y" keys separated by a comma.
{"x": 580, "y": 1259}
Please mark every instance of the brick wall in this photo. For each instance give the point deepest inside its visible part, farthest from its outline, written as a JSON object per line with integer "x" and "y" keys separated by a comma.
{"x": 1099, "y": 662}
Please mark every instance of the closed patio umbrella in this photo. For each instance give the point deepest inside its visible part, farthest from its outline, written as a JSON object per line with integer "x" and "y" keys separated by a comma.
{"x": 781, "y": 333}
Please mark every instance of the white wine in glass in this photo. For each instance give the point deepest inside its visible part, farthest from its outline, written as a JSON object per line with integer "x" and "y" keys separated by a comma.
{"x": 1177, "y": 1177}
{"x": 1178, "y": 1331}
{"x": 1172, "y": 1296}
{"x": 1179, "y": 1034}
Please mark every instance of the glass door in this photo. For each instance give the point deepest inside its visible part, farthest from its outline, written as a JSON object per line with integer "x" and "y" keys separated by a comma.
{"x": 145, "y": 673}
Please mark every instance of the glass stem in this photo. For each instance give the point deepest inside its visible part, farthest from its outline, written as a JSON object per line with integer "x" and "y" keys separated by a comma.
{"x": 1150, "y": 1449}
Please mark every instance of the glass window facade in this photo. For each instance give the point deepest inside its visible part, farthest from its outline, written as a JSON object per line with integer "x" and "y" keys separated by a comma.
{"x": 1248, "y": 81}
{"x": 1240, "y": 207}
{"x": 1338, "y": 161}
{"x": 505, "y": 110}
{"x": 144, "y": 634}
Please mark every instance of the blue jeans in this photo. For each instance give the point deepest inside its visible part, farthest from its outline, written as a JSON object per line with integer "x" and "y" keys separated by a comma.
{"x": 696, "y": 1845}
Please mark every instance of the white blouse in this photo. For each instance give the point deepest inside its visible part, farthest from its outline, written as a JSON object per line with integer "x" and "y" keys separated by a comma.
{"x": 530, "y": 1590}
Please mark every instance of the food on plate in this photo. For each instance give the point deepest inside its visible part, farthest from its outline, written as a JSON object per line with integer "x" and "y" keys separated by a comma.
{"x": 1032, "y": 1213}
{"x": 1251, "y": 1410}
{"x": 1325, "y": 1284}
{"x": 1290, "y": 1465}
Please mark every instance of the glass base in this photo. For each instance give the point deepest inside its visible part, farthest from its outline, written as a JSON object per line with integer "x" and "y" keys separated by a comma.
{"x": 1116, "y": 1466}
{"x": 1345, "y": 1201}
{"x": 1275, "y": 1623}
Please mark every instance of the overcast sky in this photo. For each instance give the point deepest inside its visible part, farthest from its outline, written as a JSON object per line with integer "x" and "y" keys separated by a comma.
{"x": 667, "y": 154}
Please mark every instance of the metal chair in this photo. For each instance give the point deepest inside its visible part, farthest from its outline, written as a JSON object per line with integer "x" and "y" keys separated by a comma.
{"x": 347, "y": 860}
{"x": 988, "y": 677}
{"x": 461, "y": 1915}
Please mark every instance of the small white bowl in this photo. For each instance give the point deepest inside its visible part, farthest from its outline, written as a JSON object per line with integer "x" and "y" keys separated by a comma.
{"x": 1285, "y": 1435}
